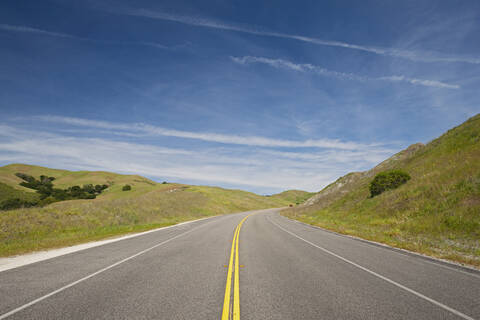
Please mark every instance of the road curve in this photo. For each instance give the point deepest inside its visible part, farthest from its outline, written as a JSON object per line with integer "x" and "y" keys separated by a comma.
{"x": 280, "y": 269}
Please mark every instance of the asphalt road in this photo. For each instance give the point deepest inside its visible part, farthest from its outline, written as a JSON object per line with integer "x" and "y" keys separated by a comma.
{"x": 286, "y": 270}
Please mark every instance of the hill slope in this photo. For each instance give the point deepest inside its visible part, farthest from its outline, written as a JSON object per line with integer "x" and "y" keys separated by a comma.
{"x": 437, "y": 212}
{"x": 146, "y": 206}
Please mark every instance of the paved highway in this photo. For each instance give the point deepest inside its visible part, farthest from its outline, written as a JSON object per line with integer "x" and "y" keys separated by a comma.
{"x": 251, "y": 265}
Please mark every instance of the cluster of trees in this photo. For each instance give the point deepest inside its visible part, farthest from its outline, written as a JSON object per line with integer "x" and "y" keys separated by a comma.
{"x": 387, "y": 180}
{"x": 45, "y": 188}
{"x": 49, "y": 194}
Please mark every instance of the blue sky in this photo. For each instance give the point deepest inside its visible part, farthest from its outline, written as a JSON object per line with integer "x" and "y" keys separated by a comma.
{"x": 259, "y": 95}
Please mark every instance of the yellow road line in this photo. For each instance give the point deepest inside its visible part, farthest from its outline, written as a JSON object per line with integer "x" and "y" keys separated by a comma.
{"x": 236, "y": 285}
{"x": 226, "y": 300}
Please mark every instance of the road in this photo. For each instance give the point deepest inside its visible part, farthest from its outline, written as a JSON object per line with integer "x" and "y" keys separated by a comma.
{"x": 278, "y": 269}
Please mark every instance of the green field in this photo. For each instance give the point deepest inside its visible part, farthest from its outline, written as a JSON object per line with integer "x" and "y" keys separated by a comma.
{"x": 148, "y": 205}
{"x": 437, "y": 212}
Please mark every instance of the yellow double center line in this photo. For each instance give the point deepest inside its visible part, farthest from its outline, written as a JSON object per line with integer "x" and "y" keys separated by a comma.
{"x": 236, "y": 283}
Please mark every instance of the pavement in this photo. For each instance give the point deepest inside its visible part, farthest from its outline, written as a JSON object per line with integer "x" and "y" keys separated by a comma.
{"x": 269, "y": 268}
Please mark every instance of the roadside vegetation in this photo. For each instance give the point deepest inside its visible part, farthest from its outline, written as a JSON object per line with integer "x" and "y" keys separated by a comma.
{"x": 113, "y": 212}
{"x": 437, "y": 212}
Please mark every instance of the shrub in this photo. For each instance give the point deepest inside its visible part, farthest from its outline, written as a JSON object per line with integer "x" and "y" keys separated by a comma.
{"x": 89, "y": 188}
{"x": 387, "y": 180}
{"x": 126, "y": 187}
{"x": 16, "y": 203}
{"x": 100, "y": 188}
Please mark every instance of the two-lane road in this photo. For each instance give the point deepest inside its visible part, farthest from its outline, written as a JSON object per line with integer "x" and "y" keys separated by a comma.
{"x": 276, "y": 269}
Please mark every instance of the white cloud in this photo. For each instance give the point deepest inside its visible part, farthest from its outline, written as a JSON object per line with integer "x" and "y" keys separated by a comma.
{"x": 209, "y": 23}
{"x": 256, "y": 169}
{"x": 423, "y": 82}
{"x": 280, "y": 63}
{"x": 210, "y": 137}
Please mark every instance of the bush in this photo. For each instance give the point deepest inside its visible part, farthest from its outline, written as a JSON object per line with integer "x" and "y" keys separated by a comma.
{"x": 126, "y": 187}
{"x": 100, "y": 188}
{"x": 387, "y": 180}
{"x": 16, "y": 203}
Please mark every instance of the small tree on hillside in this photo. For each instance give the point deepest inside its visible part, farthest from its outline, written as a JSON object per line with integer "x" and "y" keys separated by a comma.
{"x": 126, "y": 187}
{"x": 387, "y": 180}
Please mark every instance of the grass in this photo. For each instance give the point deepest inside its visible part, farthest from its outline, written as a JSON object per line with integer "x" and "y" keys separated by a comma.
{"x": 437, "y": 212}
{"x": 148, "y": 205}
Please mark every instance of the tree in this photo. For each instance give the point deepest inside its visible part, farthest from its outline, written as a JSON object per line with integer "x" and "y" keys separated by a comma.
{"x": 126, "y": 187}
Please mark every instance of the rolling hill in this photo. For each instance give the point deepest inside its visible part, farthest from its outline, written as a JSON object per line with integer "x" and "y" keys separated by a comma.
{"x": 437, "y": 212}
{"x": 148, "y": 205}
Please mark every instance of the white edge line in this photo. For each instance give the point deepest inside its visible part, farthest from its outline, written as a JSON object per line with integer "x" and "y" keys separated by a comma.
{"x": 456, "y": 312}
{"x": 443, "y": 263}
{"x": 29, "y": 258}
{"x": 5, "y": 315}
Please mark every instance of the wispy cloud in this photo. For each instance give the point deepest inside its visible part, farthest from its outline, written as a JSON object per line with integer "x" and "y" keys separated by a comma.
{"x": 207, "y": 136}
{"x": 26, "y": 29}
{"x": 280, "y": 63}
{"x": 209, "y": 23}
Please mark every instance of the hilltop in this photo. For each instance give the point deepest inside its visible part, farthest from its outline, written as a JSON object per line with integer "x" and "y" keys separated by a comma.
{"x": 66, "y": 178}
{"x": 147, "y": 205}
{"x": 437, "y": 212}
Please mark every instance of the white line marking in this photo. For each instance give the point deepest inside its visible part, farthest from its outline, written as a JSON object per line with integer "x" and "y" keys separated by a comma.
{"x": 5, "y": 315}
{"x": 456, "y": 312}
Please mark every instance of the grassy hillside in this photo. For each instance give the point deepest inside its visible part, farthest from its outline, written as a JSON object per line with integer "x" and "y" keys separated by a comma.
{"x": 437, "y": 212}
{"x": 148, "y": 205}
{"x": 65, "y": 179}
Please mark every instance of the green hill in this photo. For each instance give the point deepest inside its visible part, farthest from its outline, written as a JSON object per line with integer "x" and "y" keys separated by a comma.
{"x": 65, "y": 179}
{"x": 437, "y": 212}
{"x": 148, "y": 205}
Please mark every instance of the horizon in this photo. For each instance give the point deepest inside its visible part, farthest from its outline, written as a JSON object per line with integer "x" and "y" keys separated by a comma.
{"x": 236, "y": 95}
